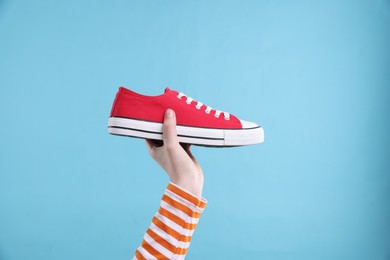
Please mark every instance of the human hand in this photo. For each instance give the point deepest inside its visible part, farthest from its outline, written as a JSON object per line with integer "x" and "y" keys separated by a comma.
{"x": 176, "y": 158}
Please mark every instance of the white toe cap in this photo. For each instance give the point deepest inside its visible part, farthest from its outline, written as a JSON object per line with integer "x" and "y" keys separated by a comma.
{"x": 247, "y": 124}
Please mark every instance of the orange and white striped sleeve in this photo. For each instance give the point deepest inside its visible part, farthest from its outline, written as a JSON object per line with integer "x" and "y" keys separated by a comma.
{"x": 170, "y": 232}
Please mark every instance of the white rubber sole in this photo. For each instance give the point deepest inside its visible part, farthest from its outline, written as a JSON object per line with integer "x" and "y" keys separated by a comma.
{"x": 186, "y": 134}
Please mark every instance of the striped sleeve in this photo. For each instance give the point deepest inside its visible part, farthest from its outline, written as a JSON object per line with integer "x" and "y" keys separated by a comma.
{"x": 170, "y": 232}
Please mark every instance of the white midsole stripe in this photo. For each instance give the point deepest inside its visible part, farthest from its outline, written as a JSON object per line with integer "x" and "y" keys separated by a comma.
{"x": 186, "y": 134}
{"x": 157, "y": 127}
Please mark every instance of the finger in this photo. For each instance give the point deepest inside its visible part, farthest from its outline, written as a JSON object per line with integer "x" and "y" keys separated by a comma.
{"x": 169, "y": 128}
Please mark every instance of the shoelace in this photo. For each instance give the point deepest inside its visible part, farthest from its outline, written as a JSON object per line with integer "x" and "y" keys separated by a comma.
{"x": 207, "y": 110}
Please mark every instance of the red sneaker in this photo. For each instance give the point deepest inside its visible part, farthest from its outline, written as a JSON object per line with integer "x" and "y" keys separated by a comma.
{"x": 141, "y": 116}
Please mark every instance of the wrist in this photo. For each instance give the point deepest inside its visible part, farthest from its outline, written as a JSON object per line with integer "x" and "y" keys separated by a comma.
{"x": 193, "y": 184}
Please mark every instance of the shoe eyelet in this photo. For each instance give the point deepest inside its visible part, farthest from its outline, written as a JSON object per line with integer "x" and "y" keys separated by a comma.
{"x": 197, "y": 107}
{"x": 216, "y": 116}
{"x": 207, "y": 112}
{"x": 189, "y": 103}
{"x": 227, "y": 118}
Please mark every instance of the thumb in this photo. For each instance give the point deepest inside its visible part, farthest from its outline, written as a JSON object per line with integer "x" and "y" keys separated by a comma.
{"x": 169, "y": 128}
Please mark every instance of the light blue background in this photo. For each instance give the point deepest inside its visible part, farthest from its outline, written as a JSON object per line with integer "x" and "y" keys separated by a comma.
{"x": 315, "y": 74}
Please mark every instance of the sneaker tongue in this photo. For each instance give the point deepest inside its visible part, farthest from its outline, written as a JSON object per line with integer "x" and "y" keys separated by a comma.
{"x": 170, "y": 91}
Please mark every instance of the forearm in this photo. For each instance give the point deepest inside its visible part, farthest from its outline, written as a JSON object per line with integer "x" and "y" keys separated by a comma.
{"x": 172, "y": 227}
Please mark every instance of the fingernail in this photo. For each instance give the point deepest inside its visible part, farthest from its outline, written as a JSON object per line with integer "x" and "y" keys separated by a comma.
{"x": 169, "y": 113}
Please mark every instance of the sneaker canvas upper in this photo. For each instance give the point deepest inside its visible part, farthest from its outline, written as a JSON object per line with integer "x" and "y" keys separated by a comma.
{"x": 129, "y": 104}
